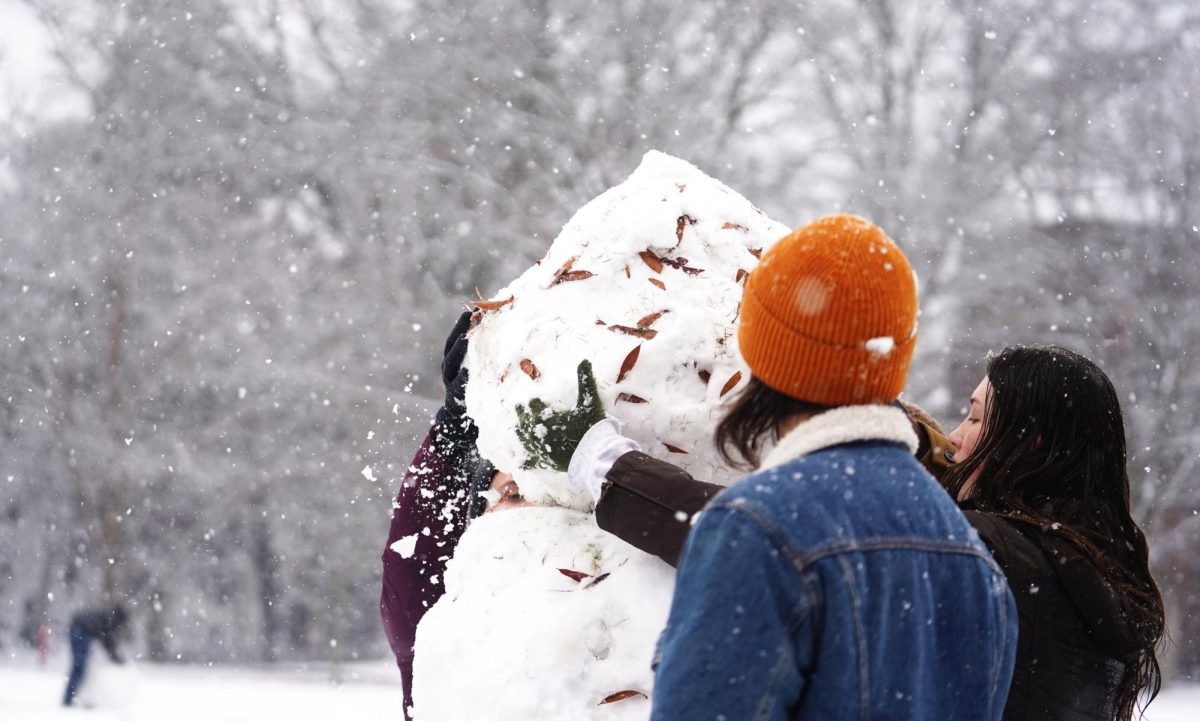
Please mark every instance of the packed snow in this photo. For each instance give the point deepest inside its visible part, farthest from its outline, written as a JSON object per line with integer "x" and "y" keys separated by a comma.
{"x": 645, "y": 281}
{"x": 364, "y": 691}
{"x": 549, "y": 617}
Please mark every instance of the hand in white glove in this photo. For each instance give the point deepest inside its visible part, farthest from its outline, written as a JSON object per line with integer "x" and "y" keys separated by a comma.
{"x": 595, "y": 455}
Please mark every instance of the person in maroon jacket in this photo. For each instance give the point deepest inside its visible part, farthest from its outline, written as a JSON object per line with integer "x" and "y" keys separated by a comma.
{"x": 431, "y": 511}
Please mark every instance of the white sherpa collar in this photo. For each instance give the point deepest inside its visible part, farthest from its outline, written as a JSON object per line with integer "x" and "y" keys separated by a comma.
{"x": 846, "y": 424}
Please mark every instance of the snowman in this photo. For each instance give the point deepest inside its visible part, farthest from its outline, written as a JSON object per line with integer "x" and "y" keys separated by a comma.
{"x": 545, "y": 616}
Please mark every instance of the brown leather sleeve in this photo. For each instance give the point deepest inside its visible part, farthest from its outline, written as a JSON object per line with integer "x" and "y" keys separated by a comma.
{"x": 649, "y": 504}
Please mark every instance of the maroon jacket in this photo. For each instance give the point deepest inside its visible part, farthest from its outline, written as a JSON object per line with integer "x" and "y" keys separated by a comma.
{"x": 433, "y": 505}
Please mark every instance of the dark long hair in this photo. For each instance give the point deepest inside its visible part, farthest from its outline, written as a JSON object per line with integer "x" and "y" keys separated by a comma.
{"x": 1051, "y": 454}
{"x": 753, "y": 418}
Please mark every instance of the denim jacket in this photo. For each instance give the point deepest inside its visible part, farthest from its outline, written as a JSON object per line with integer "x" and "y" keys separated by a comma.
{"x": 840, "y": 581}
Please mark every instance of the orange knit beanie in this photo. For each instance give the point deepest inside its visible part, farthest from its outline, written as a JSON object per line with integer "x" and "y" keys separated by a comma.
{"x": 829, "y": 316}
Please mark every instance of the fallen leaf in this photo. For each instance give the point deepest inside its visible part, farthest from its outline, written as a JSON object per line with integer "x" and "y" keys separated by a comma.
{"x": 659, "y": 283}
{"x": 756, "y": 252}
{"x": 649, "y": 320}
{"x": 566, "y": 266}
{"x": 735, "y": 226}
{"x": 651, "y": 260}
{"x": 621, "y": 696}
{"x": 680, "y": 223}
{"x": 729, "y": 384}
{"x": 566, "y": 274}
{"x": 629, "y": 362}
{"x": 645, "y": 333}
{"x": 595, "y": 580}
{"x": 674, "y": 449}
{"x": 600, "y": 322}
{"x": 572, "y": 275}
{"x": 681, "y": 264}
{"x": 627, "y": 275}
{"x": 705, "y": 376}
{"x": 630, "y": 398}
{"x": 530, "y": 369}
{"x": 504, "y": 373}
{"x": 574, "y": 575}
{"x": 486, "y": 305}
{"x": 741, "y": 275}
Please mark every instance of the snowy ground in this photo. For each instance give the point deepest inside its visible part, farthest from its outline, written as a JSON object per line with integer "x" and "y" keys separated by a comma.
{"x": 366, "y": 691}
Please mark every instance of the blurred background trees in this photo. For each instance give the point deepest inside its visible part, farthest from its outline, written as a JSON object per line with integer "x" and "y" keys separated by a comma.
{"x": 228, "y": 267}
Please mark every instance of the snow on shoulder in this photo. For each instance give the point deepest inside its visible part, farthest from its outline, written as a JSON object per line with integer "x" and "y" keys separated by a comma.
{"x": 645, "y": 281}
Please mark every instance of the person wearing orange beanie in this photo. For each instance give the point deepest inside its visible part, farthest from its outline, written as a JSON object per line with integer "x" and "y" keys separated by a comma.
{"x": 838, "y": 580}
{"x": 830, "y": 314}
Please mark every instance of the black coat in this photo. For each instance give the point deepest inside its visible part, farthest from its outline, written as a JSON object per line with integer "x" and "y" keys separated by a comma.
{"x": 1072, "y": 631}
{"x": 103, "y": 625}
{"x": 1073, "y": 635}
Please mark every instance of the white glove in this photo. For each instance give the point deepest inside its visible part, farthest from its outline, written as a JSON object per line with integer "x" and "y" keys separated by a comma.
{"x": 595, "y": 455}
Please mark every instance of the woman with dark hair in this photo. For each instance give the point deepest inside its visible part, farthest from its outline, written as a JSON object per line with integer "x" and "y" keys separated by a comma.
{"x": 1041, "y": 473}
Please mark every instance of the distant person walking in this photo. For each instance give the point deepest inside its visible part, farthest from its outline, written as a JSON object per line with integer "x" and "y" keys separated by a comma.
{"x": 98, "y": 624}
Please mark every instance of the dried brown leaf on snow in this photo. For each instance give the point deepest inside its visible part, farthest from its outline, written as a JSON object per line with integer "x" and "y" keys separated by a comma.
{"x": 647, "y": 321}
{"x": 681, "y": 264}
{"x": 565, "y": 274}
{"x": 629, "y": 362}
{"x": 621, "y": 696}
{"x": 645, "y": 333}
{"x": 651, "y": 260}
{"x": 574, "y": 575}
{"x": 680, "y": 223}
{"x": 486, "y": 305}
